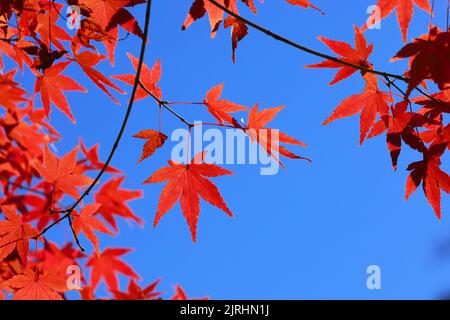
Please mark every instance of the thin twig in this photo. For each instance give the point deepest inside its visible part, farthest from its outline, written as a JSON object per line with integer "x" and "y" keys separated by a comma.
{"x": 75, "y": 236}
{"x": 164, "y": 105}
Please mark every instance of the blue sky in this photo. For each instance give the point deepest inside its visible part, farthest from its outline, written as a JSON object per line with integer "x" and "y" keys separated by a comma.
{"x": 308, "y": 232}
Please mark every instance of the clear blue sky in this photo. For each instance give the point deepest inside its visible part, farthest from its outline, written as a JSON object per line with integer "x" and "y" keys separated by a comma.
{"x": 310, "y": 231}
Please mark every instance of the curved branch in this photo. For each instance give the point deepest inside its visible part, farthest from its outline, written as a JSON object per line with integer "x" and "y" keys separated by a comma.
{"x": 301, "y": 47}
{"x": 317, "y": 53}
{"x": 119, "y": 135}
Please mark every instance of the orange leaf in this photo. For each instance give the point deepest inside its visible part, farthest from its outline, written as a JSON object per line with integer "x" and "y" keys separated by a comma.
{"x": 61, "y": 172}
{"x": 187, "y": 183}
{"x": 32, "y": 286}
{"x": 14, "y": 234}
{"x": 87, "y": 223}
{"x": 155, "y": 140}
{"x": 52, "y": 85}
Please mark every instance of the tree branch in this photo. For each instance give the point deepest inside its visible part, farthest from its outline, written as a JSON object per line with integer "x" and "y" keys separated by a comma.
{"x": 314, "y": 52}
{"x": 301, "y": 47}
{"x": 118, "y": 138}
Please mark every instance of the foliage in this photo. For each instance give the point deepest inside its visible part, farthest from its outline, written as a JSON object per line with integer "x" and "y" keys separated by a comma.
{"x": 36, "y": 182}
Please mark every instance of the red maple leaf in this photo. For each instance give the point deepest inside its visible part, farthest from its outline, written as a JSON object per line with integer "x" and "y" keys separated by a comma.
{"x": 32, "y": 286}
{"x": 111, "y": 13}
{"x": 180, "y": 294}
{"x": 401, "y": 126}
{"x": 106, "y": 266}
{"x": 47, "y": 25}
{"x": 357, "y": 56}
{"x": 11, "y": 94}
{"x": 86, "y": 222}
{"x": 149, "y": 78}
{"x": 220, "y": 108}
{"x": 429, "y": 59}
{"x": 58, "y": 258}
{"x": 370, "y": 103}
{"x": 52, "y": 85}
{"x": 187, "y": 183}
{"x": 304, "y": 4}
{"x": 87, "y": 60}
{"x": 432, "y": 177}
{"x": 238, "y": 32}
{"x": 270, "y": 139}
{"x": 199, "y": 8}
{"x": 114, "y": 202}
{"x": 216, "y": 15}
{"x": 14, "y": 234}
{"x": 405, "y": 9}
{"x": 92, "y": 156}
{"x": 155, "y": 140}
{"x": 135, "y": 292}
{"x": 61, "y": 173}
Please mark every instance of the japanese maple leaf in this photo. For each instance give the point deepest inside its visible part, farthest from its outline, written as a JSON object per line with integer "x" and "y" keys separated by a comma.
{"x": 59, "y": 258}
{"x": 188, "y": 182}
{"x": 42, "y": 203}
{"x": 114, "y": 202}
{"x": 304, "y": 4}
{"x": 149, "y": 79}
{"x": 438, "y": 105}
{"x": 221, "y": 108}
{"x": 87, "y": 60}
{"x": 270, "y": 139}
{"x": 14, "y": 234}
{"x": 202, "y": 7}
{"x": 106, "y": 266}
{"x": 48, "y": 27}
{"x": 405, "y": 9}
{"x": 15, "y": 51}
{"x": 430, "y": 60}
{"x": 199, "y": 8}
{"x": 400, "y": 125}
{"x": 370, "y": 103}
{"x": 155, "y": 140}
{"x": 90, "y": 30}
{"x": 86, "y": 222}
{"x": 111, "y": 13}
{"x": 93, "y": 157}
{"x": 238, "y": 32}
{"x": 180, "y": 294}
{"x": 357, "y": 56}
{"x": 432, "y": 177}
{"x": 32, "y": 286}
{"x": 52, "y": 84}
{"x": 135, "y": 292}
{"x": 11, "y": 94}
{"x": 61, "y": 173}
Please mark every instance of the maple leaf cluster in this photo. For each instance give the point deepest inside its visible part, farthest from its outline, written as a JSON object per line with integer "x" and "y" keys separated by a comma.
{"x": 36, "y": 183}
{"x": 239, "y": 30}
{"x": 384, "y": 107}
{"x": 416, "y": 122}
